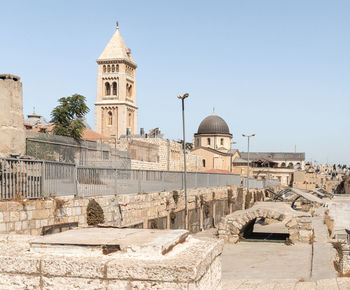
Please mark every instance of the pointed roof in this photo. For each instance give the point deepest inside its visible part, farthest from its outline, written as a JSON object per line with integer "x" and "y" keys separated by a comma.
{"x": 116, "y": 49}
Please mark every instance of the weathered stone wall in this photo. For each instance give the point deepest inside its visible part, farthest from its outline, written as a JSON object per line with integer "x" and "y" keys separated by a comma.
{"x": 11, "y": 116}
{"x": 155, "y": 210}
{"x": 169, "y": 154}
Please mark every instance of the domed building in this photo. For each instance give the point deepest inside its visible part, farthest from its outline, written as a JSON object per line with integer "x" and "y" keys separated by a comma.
{"x": 213, "y": 142}
{"x": 213, "y": 132}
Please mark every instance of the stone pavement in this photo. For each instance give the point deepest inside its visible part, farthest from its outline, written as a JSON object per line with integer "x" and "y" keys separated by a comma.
{"x": 323, "y": 251}
{"x": 286, "y": 284}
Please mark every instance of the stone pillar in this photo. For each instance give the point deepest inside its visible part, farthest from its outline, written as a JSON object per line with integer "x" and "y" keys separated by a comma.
{"x": 12, "y": 133}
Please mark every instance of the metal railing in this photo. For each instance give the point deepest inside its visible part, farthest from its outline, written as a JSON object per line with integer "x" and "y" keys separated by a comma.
{"x": 36, "y": 179}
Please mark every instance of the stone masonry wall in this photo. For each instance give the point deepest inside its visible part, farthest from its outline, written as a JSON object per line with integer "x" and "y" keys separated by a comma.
{"x": 11, "y": 116}
{"x": 170, "y": 155}
{"x": 156, "y": 210}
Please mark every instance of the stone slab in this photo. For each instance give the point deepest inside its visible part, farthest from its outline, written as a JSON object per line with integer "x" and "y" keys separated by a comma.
{"x": 154, "y": 242}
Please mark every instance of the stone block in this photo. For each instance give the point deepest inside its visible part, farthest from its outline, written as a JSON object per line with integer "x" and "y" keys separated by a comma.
{"x": 18, "y": 226}
{"x": 72, "y": 267}
{"x": 19, "y": 265}
{"x": 305, "y": 286}
{"x": 25, "y": 225}
{"x": 327, "y": 284}
{"x": 19, "y": 281}
{"x": 23, "y": 215}
{"x": 14, "y": 216}
{"x": 73, "y": 283}
{"x": 3, "y": 228}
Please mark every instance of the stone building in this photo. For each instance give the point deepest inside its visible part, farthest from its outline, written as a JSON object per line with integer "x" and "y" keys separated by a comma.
{"x": 115, "y": 108}
{"x": 213, "y": 142}
{"x": 11, "y": 118}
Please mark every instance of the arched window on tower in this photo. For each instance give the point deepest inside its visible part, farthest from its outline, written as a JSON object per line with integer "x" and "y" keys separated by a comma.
{"x": 222, "y": 141}
{"x": 108, "y": 68}
{"x": 117, "y": 67}
{"x": 110, "y": 118}
{"x": 113, "y": 68}
{"x": 104, "y": 68}
{"x": 108, "y": 89}
{"x": 128, "y": 90}
{"x": 114, "y": 88}
{"x": 208, "y": 140}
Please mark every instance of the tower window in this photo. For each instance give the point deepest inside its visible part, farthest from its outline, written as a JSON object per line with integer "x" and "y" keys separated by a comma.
{"x": 114, "y": 88}
{"x": 128, "y": 90}
{"x": 208, "y": 141}
{"x": 110, "y": 118}
{"x": 129, "y": 119}
{"x": 113, "y": 68}
{"x": 108, "y": 89}
{"x": 222, "y": 141}
{"x": 108, "y": 68}
{"x": 104, "y": 68}
{"x": 203, "y": 161}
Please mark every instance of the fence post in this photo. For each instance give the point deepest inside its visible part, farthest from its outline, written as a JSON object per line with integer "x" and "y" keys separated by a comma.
{"x": 43, "y": 176}
{"x": 139, "y": 181}
{"x": 2, "y": 179}
{"x": 75, "y": 176}
{"x": 116, "y": 181}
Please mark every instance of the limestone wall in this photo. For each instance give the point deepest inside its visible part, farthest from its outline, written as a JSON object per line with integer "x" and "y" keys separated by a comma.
{"x": 164, "y": 154}
{"x": 151, "y": 210}
{"x": 11, "y": 116}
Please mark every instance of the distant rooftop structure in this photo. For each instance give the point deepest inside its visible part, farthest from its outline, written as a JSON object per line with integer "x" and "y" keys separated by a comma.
{"x": 275, "y": 156}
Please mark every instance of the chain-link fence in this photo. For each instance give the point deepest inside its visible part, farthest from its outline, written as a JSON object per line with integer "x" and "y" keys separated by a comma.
{"x": 36, "y": 179}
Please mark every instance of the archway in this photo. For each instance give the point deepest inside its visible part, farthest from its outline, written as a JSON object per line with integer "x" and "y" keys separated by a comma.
{"x": 299, "y": 225}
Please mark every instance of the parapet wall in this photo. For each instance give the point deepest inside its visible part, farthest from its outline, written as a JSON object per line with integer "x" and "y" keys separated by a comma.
{"x": 11, "y": 116}
{"x": 162, "y": 210}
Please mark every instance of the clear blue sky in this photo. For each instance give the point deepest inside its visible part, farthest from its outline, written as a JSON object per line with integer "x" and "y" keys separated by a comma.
{"x": 280, "y": 69}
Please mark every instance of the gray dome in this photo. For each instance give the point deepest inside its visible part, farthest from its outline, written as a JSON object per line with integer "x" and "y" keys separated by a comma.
{"x": 213, "y": 124}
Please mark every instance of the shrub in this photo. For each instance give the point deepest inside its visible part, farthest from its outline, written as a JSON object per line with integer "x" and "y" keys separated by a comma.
{"x": 94, "y": 213}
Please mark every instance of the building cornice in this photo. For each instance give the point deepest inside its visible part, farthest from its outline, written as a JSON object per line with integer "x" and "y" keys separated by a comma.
{"x": 117, "y": 60}
{"x": 114, "y": 103}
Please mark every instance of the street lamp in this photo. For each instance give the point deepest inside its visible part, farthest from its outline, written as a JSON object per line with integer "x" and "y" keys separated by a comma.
{"x": 182, "y": 98}
{"x": 248, "y": 136}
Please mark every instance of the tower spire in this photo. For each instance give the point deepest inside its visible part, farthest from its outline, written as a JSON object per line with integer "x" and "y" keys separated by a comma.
{"x": 213, "y": 110}
{"x": 117, "y": 25}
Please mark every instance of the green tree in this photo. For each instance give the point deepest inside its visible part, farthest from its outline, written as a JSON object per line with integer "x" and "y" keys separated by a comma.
{"x": 68, "y": 115}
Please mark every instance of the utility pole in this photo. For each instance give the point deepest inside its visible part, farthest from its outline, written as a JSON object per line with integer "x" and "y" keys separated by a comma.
{"x": 248, "y": 136}
{"x": 182, "y": 98}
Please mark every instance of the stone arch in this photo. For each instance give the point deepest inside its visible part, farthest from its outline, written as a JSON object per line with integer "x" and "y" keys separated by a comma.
{"x": 298, "y": 223}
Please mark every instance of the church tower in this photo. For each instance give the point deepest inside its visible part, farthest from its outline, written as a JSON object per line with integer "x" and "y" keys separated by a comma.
{"x": 115, "y": 109}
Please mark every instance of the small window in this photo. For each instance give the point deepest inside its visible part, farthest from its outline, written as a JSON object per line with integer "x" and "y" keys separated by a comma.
{"x": 113, "y": 68}
{"x": 108, "y": 68}
{"x": 222, "y": 141}
{"x": 114, "y": 88}
{"x": 208, "y": 141}
{"x": 104, "y": 68}
{"x": 203, "y": 161}
{"x": 108, "y": 89}
{"x": 110, "y": 118}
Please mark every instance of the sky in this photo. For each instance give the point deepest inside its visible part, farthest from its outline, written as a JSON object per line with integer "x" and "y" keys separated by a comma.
{"x": 279, "y": 69}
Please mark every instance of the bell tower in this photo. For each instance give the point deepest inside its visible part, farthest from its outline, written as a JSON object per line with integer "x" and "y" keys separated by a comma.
{"x": 115, "y": 108}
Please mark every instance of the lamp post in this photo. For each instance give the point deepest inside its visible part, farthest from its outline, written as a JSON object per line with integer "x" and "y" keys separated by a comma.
{"x": 182, "y": 98}
{"x": 248, "y": 136}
